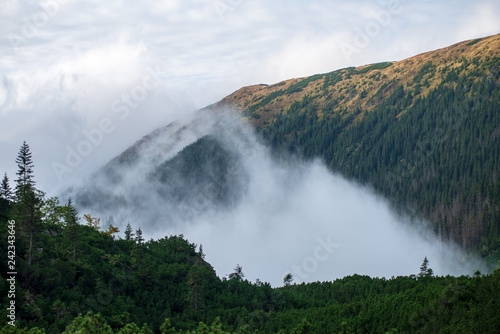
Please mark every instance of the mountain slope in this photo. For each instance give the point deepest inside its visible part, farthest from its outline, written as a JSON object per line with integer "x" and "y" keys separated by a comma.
{"x": 424, "y": 132}
{"x": 173, "y": 174}
{"x": 366, "y": 87}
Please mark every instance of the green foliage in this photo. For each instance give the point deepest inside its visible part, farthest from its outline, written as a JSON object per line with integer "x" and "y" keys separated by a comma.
{"x": 238, "y": 273}
{"x": 129, "y": 234}
{"x": 198, "y": 176}
{"x": 72, "y": 229}
{"x": 53, "y": 212}
{"x": 303, "y": 328}
{"x": 26, "y": 211}
{"x": 297, "y": 87}
{"x": 25, "y": 166}
{"x": 300, "y": 85}
{"x": 473, "y": 42}
{"x": 288, "y": 279}
{"x": 378, "y": 66}
{"x": 428, "y": 68}
{"x": 436, "y": 155}
{"x": 89, "y": 324}
{"x": 5, "y": 189}
{"x": 331, "y": 79}
{"x": 425, "y": 270}
{"x": 16, "y": 330}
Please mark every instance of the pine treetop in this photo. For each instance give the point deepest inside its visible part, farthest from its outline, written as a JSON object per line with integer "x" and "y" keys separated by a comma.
{"x": 5, "y": 189}
{"x": 425, "y": 270}
{"x": 25, "y": 172}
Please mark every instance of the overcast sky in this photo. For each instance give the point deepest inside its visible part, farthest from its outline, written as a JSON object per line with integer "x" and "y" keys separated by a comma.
{"x": 113, "y": 71}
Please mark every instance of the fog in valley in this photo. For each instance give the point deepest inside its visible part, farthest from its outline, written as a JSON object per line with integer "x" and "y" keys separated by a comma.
{"x": 210, "y": 178}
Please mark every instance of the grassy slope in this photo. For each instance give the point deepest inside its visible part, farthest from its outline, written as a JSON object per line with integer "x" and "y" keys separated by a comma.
{"x": 363, "y": 87}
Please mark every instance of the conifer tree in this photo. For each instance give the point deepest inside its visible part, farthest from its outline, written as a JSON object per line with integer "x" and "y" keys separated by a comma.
{"x": 24, "y": 174}
{"x": 5, "y": 189}
{"x": 288, "y": 279}
{"x": 5, "y": 199}
{"x": 424, "y": 269}
{"x": 194, "y": 281}
{"x": 128, "y": 232}
{"x": 27, "y": 210}
{"x": 138, "y": 262}
{"x": 138, "y": 237}
{"x": 27, "y": 213}
{"x": 71, "y": 230}
{"x": 202, "y": 254}
{"x": 238, "y": 273}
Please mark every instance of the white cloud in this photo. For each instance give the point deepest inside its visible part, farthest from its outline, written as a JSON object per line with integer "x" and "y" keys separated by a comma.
{"x": 62, "y": 76}
{"x": 481, "y": 20}
{"x": 286, "y": 216}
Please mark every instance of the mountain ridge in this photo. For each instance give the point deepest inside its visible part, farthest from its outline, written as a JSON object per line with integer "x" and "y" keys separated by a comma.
{"x": 249, "y": 100}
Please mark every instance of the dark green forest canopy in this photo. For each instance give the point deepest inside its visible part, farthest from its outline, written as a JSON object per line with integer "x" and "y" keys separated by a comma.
{"x": 423, "y": 132}
{"x": 435, "y": 153}
{"x": 130, "y": 283}
{"x": 82, "y": 279}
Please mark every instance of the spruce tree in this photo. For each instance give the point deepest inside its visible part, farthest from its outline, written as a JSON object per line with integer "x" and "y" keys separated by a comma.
{"x": 238, "y": 273}
{"x": 5, "y": 189}
{"x": 195, "y": 281}
{"x": 424, "y": 269}
{"x": 24, "y": 174}
{"x": 5, "y": 199}
{"x": 202, "y": 254}
{"x": 27, "y": 209}
{"x": 128, "y": 232}
{"x": 138, "y": 237}
{"x": 72, "y": 229}
{"x": 138, "y": 263}
{"x": 288, "y": 279}
{"x": 28, "y": 215}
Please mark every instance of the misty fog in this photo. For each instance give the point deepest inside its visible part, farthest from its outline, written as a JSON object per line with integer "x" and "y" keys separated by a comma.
{"x": 245, "y": 206}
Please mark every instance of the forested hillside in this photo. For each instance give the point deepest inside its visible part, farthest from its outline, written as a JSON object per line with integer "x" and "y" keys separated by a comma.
{"x": 194, "y": 180}
{"x": 74, "y": 276}
{"x": 424, "y": 132}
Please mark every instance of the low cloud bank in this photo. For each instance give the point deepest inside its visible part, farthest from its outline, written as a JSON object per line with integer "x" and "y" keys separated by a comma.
{"x": 271, "y": 217}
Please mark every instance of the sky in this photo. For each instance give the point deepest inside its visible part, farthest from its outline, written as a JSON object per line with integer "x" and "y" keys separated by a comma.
{"x": 81, "y": 81}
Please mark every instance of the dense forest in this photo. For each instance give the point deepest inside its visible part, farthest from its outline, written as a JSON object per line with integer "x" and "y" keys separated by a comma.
{"x": 73, "y": 276}
{"x": 423, "y": 132}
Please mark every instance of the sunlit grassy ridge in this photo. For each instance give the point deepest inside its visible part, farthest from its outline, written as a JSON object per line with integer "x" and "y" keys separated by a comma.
{"x": 365, "y": 87}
